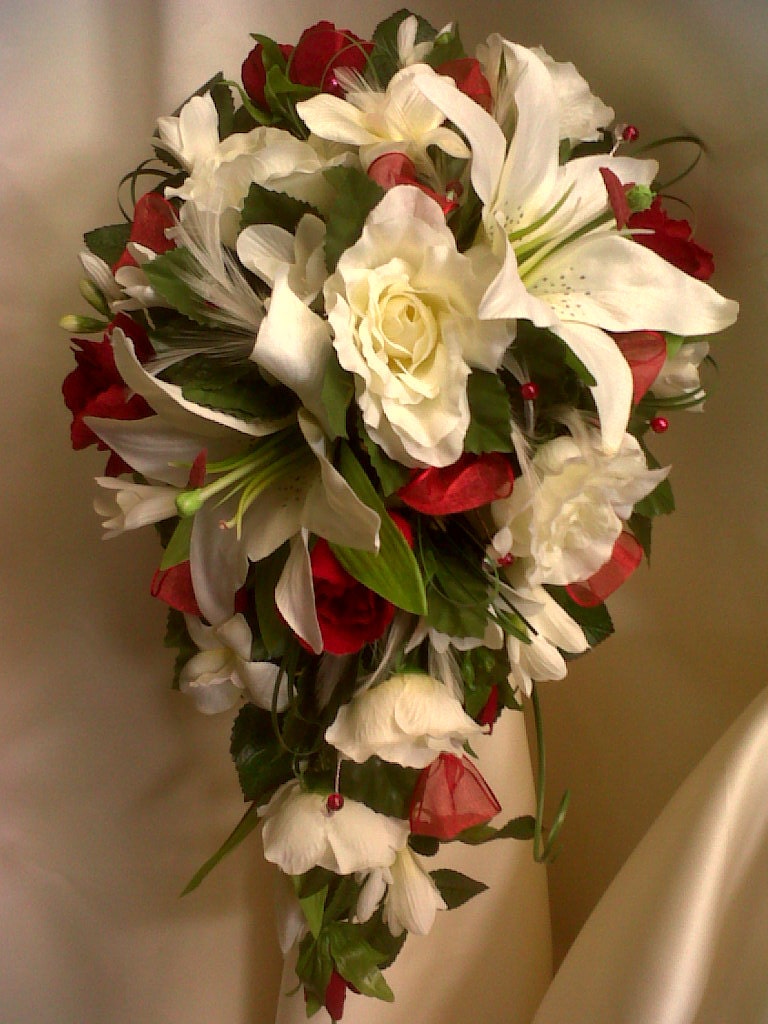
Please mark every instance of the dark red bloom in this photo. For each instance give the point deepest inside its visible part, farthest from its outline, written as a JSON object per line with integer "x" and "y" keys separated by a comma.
{"x": 95, "y": 388}
{"x": 174, "y": 586}
{"x": 151, "y": 216}
{"x": 672, "y": 240}
{"x": 348, "y": 613}
{"x": 335, "y": 994}
{"x": 469, "y": 78}
{"x": 450, "y": 796}
{"x": 490, "y": 711}
{"x": 322, "y": 49}
{"x": 625, "y": 558}
{"x": 646, "y": 353}
{"x": 254, "y": 73}
{"x": 398, "y": 169}
{"x": 471, "y": 481}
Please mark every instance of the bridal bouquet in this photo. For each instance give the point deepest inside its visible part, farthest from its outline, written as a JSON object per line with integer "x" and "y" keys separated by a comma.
{"x": 378, "y": 347}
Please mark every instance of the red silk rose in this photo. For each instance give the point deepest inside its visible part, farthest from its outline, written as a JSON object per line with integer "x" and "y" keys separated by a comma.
{"x": 470, "y": 482}
{"x": 322, "y": 49}
{"x": 254, "y": 73}
{"x": 397, "y": 169}
{"x": 95, "y": 388}
{"x": 450, "y": 796}
{"x": 625, "y": 558}
{"x": 646, "y": 353}
{"x": 672, "y": 240}
{"x": 151, "y": 216}
{"x": 348, "y": 613}
{"x": 469, "y": 78}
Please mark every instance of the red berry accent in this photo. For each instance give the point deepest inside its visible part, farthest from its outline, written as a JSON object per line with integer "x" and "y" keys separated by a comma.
{"x": 505, "y": 560}
{"x": 659, "y": 424}
{"x": 630, "y": 133}
{"x": 334, "y": 802}
{"x": 530, "y": 391}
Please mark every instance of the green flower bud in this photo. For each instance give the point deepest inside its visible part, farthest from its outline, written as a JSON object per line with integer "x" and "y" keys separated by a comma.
{"x": 94, "y": 296}
{"x": 640, "y": 198}
{"x": 74, "y": 324}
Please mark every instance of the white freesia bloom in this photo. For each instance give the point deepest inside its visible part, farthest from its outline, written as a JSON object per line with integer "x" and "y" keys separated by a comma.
{"x": 129, "y": 506}
{"x": 398, "y": 120}
{"x": 411, "y": 898}
{"x": 409, "y": 720}
{"x": 217, "y": 677}
{"x": 403, "y": 305}
{"x": 680, "y": 373}
{"x": 300, "y": 833}
{"x": 581, "y": 113}
{"x": 565, "y": 515}
{"x": 566, "y": 266}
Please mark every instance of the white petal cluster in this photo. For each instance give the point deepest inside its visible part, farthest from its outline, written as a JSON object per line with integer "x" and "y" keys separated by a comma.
{"x": 411, "y": 898}
{"x": 581, "y": 113}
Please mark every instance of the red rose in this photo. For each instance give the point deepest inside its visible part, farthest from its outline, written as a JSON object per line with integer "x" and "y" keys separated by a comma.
{"x": 672, "y": 240}
{"x": 151, "y": 216}
{"x": 254, "y": 74}
{"x": 469, "y": 78}
{"x": 95, "y": 388}
{"x": 322, "y": 49}
{"x": 348, "y": 613}
{"x": 397, "y": 169}
{"x": 450, "y": 796}
{"x": 470, "y": 482}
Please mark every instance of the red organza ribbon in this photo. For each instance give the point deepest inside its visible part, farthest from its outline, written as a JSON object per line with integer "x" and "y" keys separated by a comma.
{"x": 625, "y": 558}
{"x": 472, "y": 481}
{"x": 451, "y": 795}
{"x": 646, "y": 352}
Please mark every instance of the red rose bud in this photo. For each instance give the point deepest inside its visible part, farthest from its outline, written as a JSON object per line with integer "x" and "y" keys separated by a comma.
{"x": 625, "y": 558}
{"x": 646, "y": 353}
{"x": 490, "y": 711}
{"x": 470, "y": 482}
{"x": 617, "y": 197}
{"x": 450, "y": 796}
{"x": 174, "y": 587}
{"x": 469, "y": 78}
{"x": 335, "y": 994}
{"x": 151, "y": 216}
{"x": 397, "y": 169}
{"x": 254, "y": 73}
{"x": 672, "y": 240}
{"x": 322, "y": 49}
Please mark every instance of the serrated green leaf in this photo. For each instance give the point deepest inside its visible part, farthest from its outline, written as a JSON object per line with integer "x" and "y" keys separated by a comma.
{"x": 392, "y": 475}
{"x": 518, "y": 828}
{"x": 641, "y": 527}
{"x": 315, "y": 964}
{"x": 356, "y": 961}
{"x": 178, "y": 546}
{"x": 221, "y": 95}
{"x": 262, "y": 763}
{"x": 163, "y": 273}
{"x": 490, "y": 425}
{"x": 377, "y": 934}
{"x": 385, "y": 788}
{"x": 108, "y": 242}
{"x": 337, "y": 393}
{"x": 455, "y": 887}
{"x": 385, "y": 59}
{"x": 425, "y": 846}
{"x": 244, "y": 827}
{"x": 457, "y": 593}
{"x": 265, "y": 206}
{"x": 312, "y": 907}
{"x": 237, "y": 388}
{"x": 393, "y": 573}
{"x": 448, "y": 47}
{"x": 356, "y": 196}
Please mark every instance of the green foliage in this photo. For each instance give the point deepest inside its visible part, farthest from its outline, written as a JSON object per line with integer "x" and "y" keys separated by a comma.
{"x": 282, "y": 95}
{"x": 377, "y": 934}
{"x": 455, "y": 887}
{"x": 221, "y": 95}
{"x": 265, "y": 206}
{"x": 313, "y": 907}
{"x": 384, "y": 59}
{"x": 490, "y": 414}
{"x": 457, "y": 591}
{"x": 336, "y": 396}
{"x": 356, "y": 196}
{"x": 661, "y": 500}
{"x": 177, "y": 636}
{"x": 596, "y": 622}
{"x": 177, "y": 550}
{"x": 386, "y": 788}
{"x": 108, "y": 242}
{"x": 261, "y": 761}
{"x": 272, "y": 626}
{"x": 235, "y": 387}
{"x": 448, "y": 46}
{"x": 244, "y": 827}
{"x": 518, "y": 828}
{"x": 357, "y": 961}
{"x": 392, "y": 475}
{"x": 165, "y": 274}
{"x": 641, "y": 527}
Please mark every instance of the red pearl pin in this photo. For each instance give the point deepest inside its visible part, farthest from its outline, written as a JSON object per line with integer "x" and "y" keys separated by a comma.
{"x": 630, "y": 133}
{"x": 530, "y": 391}
{"x": 334, "y": 802}
{"x": 659, "y": 424}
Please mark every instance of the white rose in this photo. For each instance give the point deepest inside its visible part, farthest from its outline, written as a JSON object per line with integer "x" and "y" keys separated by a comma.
{"x": 564, "y": 516}
{"x": 403, "y": 304}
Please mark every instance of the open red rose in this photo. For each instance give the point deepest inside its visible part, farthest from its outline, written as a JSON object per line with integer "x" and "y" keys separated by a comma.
{"x": 470, "y": 482}
{"x": 450, "y": 796}
{"x": 151, "y": 216}
{"x": 348, "y": 613}
{"x": 322, "y": 49}
{"x": 95, "y": 388}
{"x": 398, "y": 169}
{"x": 254, "y": 73}
{"x": 469, "y": 78}
{"x": 672, "y": 240}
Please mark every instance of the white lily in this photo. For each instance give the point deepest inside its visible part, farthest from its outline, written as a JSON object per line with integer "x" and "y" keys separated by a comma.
{"x": 398, "y": 120}
{"x": 411, "y": 898}
{"x": 408, "y": 720}
{"x": 566, "y": 268}
{"x": 300, "y": 833}
{"x": 217, "y": 677}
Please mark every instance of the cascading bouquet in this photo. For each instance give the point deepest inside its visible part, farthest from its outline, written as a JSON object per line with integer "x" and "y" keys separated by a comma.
{"x": 380, "y": 350}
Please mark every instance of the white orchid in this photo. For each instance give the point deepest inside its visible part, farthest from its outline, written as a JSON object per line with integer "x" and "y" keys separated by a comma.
{"x": 399, "y": 120}
{"x": 411, "y": 898}
{"x": 300, "y": 833}
{"x": 409, "y": 719}
{"x": 217, "y": 677}
{"x": 566, "y": 268}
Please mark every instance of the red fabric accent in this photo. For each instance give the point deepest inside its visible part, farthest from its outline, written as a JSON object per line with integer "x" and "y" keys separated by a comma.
{"x": 451, "y": 795}
{"x": 470, "y": 482}
{"x": 617, "y": 196}
{"x": 151, "y": 216}
{"x": 490, "y": 711}
{"x": 322, "y": 49}
{"x": 625, "y": 558}
{"x": 469, "y": 78}
{"x": 335, "y": 994}
{"x": 254, "y": 74}
{"x": 646, "y": 353}
{"x": 397, "y": 169}
{"x": 672, "y": 240}
{"x": 174, "y": 586}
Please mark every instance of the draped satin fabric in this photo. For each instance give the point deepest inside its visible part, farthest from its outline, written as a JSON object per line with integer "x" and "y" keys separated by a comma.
{"x": 113, "y": 790}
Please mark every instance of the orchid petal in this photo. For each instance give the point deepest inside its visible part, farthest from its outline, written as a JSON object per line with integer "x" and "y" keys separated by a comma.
{"x": 295, "y": 595}
{"x": 333, "y": 118}
{"x": 265, "y": 249}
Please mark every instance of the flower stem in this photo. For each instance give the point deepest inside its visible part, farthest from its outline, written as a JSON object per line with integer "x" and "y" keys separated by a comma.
{"x": 544, "y": 849}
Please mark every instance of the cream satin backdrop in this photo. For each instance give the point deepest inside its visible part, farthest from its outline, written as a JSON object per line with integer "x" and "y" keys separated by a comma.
{"x": 113, "y": 790}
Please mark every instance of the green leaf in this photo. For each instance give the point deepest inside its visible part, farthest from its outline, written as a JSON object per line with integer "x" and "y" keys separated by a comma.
{"x": 357, "y": 962}
{"x": 272, "y": 626}
{"x": 336, "y": 395}
{"x": 261, "y": 761}
{"x": 385, "y": 59}
{"x": 315, "y": 964}
{"x": 377, "y": 934}
{"x": 386, "y": 788}
{"x": 456, "y": 888}
{"x": 245, "y": 826}
{"x": 108, "y": 242}
{"x": 312, "y": 908}
{"x": 313, "y": 881}
{"x": 490, "y": 426}
{"x": 234, "y": 387}
{"x": 178, "y": 546}
{"x": 426, "y": 846}
{"x": 448, "y": 46}
{"x": 264, "y": 206}
{"x": 282, "y": 95}
{"x": 392, "y": 475}
{"x": 221, "y": 95}
{"x": 163, "y": 274}
{"x": 518, "y": 828}
{"x": 356, "y": 196}
{"x": 641, "y": 527}
{"x": 457, "y": 592}
{"x": 177, "y": 635}
{"x": 596, "y": 622}
{"x": 393, "y": 573}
